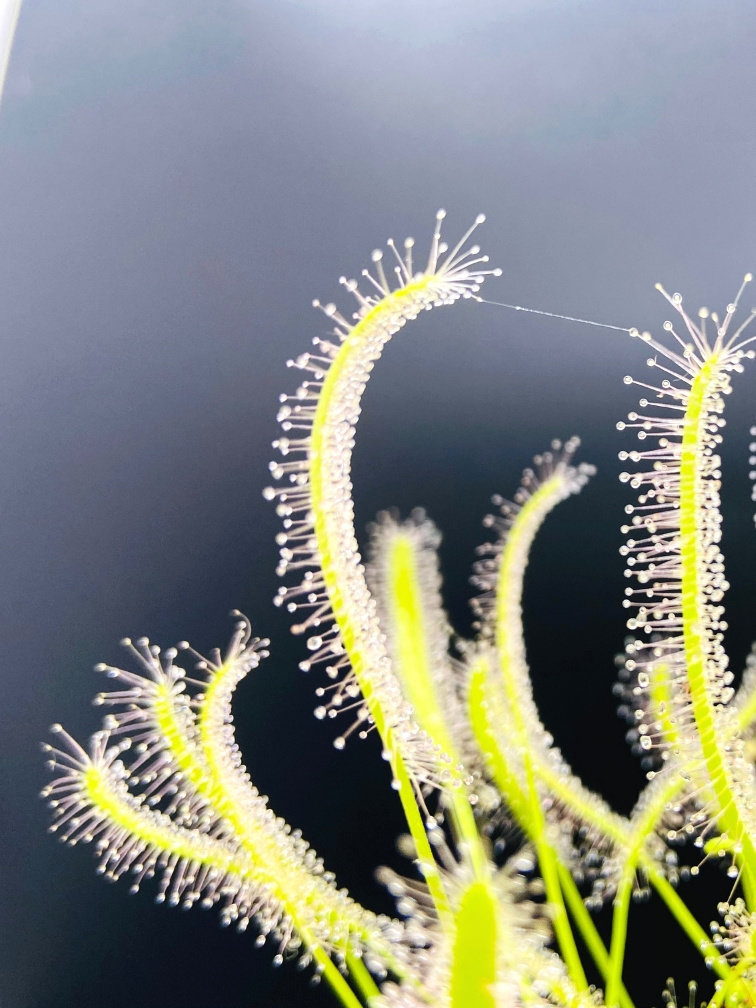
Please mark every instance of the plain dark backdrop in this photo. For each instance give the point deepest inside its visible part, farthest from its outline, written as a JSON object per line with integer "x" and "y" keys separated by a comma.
{"x": 178, "y": 180}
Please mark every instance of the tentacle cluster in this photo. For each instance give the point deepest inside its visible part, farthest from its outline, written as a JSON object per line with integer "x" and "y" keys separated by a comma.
{"x": 405, "y": 580}
{"x": 163, "y": 791}
{"x": 588, "y": 835}
{"x": 337, "y": 609}
{"x": 680, "y": 686}
{"x": 735, "y": 936}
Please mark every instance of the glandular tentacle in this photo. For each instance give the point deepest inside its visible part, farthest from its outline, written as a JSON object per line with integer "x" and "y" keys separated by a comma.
{"x": 404, "y": 578}
{"x": 581, "y": 827}
{"x": 677, "y": 581}
{"x": 162, "y": 791}
{"x": 314, "y": 499}
{"x": 332, "y": 600}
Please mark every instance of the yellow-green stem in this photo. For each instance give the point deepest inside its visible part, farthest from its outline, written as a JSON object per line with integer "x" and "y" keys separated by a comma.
{"x": 688, "y": 922}
{"x": 362, "y": 978}
{"x": 619, "y": 936}
{"x": 528, "y": 815}
{"x": 588, "y": 931}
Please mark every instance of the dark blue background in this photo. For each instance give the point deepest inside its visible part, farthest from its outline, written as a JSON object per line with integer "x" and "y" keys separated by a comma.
{"x": 178, "y": 181}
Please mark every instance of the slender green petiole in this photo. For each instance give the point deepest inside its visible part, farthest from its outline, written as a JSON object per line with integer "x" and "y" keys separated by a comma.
{"x": 588, "y": 931}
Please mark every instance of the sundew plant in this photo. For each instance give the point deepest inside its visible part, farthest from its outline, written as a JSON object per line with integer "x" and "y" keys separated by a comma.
{"x": 162, "y": 792}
